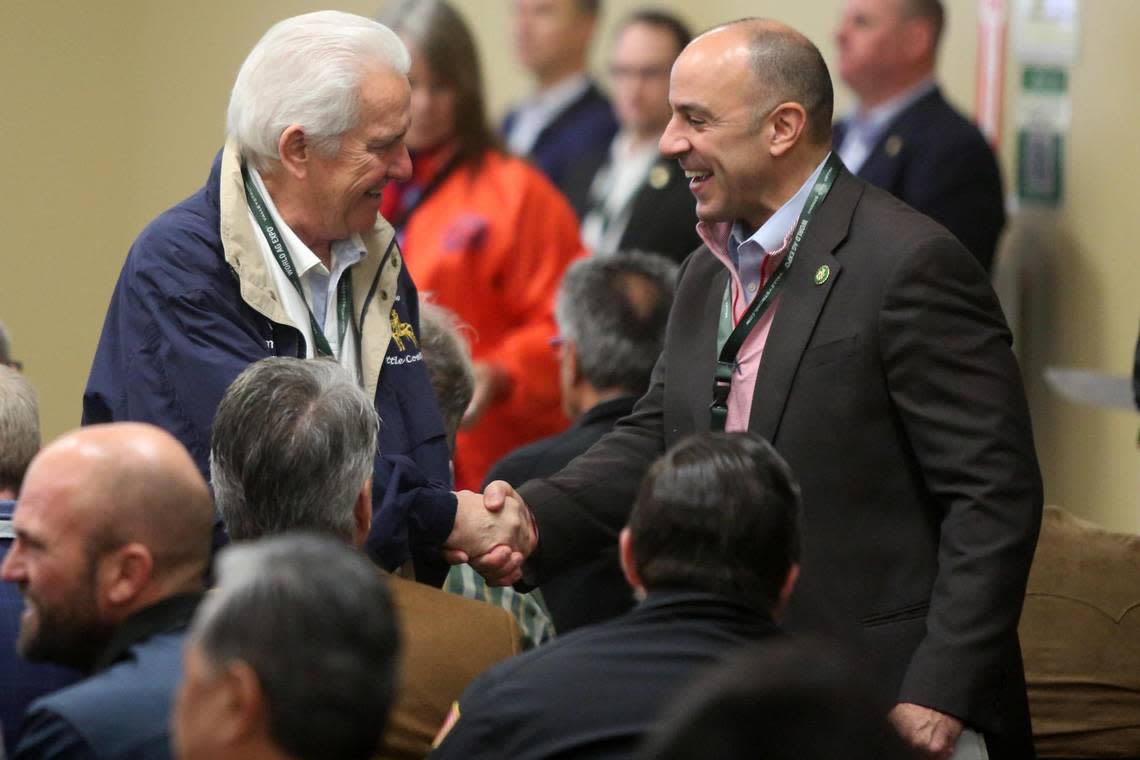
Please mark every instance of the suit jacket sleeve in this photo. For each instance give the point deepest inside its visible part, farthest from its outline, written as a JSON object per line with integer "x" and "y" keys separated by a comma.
{"x": 46, "y": 734}
{"x": 957, "y": 390}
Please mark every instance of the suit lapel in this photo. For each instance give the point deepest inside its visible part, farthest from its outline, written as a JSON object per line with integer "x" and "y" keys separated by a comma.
{"x": 800, "y": 305}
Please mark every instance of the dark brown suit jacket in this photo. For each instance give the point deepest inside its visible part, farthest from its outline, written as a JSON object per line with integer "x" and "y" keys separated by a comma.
{"x": 891, "y": 390}
{"x": 446, "y": 641}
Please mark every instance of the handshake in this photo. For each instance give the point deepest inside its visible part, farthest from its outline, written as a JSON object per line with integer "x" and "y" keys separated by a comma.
{"x": 494, "y": 532}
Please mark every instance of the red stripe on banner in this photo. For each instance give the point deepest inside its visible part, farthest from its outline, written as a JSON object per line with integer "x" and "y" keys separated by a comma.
{"x": 990, "y": 81}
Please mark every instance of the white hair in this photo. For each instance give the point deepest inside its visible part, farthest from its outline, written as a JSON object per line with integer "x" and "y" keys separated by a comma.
{"x": 306, "y": 70}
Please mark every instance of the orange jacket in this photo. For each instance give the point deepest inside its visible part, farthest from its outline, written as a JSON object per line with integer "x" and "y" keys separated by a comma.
{"x": 491, "y": 244}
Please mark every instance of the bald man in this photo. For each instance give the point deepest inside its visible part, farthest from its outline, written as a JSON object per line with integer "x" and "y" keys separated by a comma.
{"x": 867, "y": 345}
{"x": 113, "y": 530}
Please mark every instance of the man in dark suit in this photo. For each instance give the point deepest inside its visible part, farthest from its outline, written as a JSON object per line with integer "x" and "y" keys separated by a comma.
{"x": 882, "y": 373}
{"x": 611, "y": 313}
{"x": 627, "y": 196}
{"x": 711, "y": 549}
{"x": 903, "y": 136}
{"x": 112, "y": 545}
{"x": 567, "y": 115}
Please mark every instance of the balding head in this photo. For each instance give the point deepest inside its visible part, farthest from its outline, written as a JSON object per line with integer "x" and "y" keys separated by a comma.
{"x": 111, "y": 519}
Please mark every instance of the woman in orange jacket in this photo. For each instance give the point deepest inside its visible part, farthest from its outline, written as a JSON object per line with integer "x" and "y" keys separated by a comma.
{"x": 485, "y": 234}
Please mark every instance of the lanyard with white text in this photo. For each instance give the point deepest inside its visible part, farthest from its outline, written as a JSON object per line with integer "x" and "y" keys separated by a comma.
{"x": 729, "y": 339}
{"x": 285, "y": 261}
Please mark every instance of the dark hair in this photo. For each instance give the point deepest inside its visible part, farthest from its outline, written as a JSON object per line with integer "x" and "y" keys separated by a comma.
{"x": 719, "y": 512}
{"x": 789, "y": 67}
{"x": 314, "y": 620}
{"x": 931, "y": 11}
{"x": 615, "y": 309}
{"x": 781, "y": 699}
{"x": 445, "y": 42}
{"x": 291, "y": 445}
{"x": 662, "y": 20}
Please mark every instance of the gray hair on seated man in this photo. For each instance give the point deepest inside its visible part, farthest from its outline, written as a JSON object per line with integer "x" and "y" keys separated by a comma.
{"x": 611, "y": 313}
{"x": 448, "y": 364}
{"x": 272, "y": 419}
{"x": 307, "y": 70}
{"x": 19, "y": 429}
{"x": 295, "y": 649}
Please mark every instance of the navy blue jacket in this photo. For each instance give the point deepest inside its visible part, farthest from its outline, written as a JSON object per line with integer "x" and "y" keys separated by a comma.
{"x": 936, "y": 161}
{"x": 596, "y": 692}
{"x": 21, "y": 681}
{"x": 123, "y": 711}
{"x": 586, "y": 126}
{"x": 178, "y": 332}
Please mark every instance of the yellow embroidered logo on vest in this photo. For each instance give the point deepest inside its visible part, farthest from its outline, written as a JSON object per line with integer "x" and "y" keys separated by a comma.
{"x": 401, "y": 330}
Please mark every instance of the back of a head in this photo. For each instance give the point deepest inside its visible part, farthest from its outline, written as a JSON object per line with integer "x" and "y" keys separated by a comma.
{"x": 782, "y": 699}
{"x": 790, "y": 68}
{"x": 19, "y": 428}
{"x": 292, "y": 444}
{"x": 615, "y": 309}
{"x": 314, "y": 620}
{"x": 718, "y": 512}
{"x": 5, "y": 345}
{"x": 448, "y": 364}
{"x": 307, "y": 70}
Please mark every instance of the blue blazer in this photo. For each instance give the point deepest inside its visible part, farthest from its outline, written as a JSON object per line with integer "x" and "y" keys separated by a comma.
{"x": 937, "y": 162}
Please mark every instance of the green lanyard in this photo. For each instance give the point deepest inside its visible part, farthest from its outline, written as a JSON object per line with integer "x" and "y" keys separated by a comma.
{"x": 729, "y": 339}
{"x": 285, "y": 261}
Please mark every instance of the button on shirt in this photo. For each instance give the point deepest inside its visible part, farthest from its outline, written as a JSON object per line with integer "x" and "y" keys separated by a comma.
{"x": 317, "y": 282}
{"x": 864, "y": 129}
{"x": 750, "y": 261}
{"x": 538, "y": 111}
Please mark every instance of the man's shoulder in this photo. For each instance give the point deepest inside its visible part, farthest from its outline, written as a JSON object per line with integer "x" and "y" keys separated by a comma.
{"x": 182, "y": 244}
{"x": 426, "y": 611}
{"x": 543, "y": 457}
{"x": 938, "y": 125}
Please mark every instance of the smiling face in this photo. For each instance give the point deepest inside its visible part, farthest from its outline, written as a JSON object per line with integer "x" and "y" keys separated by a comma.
{"x": 344, "y": 189}
{"x": 716, "y": 131}
{"x": 51, "y": 563}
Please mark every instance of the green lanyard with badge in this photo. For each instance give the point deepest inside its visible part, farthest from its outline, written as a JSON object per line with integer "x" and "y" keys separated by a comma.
{"x": 730, "y": 338}
{"x": 281, "y": 255}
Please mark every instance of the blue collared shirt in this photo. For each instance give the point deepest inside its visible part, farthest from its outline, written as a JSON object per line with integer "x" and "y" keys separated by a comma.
{"x": 864, "y": 129}
{"x": 748, "y": 255}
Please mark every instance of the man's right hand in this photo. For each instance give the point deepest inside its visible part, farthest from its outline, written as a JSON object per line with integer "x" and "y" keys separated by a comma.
{"x": 495, "y": 532}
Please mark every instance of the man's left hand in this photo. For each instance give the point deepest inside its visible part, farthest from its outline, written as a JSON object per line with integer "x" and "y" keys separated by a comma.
{"x": 930, "y": 733}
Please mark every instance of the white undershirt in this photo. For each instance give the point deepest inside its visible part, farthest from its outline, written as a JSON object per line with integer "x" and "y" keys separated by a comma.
{"x": 316, "y": 280}
{"x": 539, "y": 110}
{"x": 617, "y": 183}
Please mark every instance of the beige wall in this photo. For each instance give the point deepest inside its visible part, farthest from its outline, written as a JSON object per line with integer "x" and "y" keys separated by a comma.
{"x": 113, "y": 111}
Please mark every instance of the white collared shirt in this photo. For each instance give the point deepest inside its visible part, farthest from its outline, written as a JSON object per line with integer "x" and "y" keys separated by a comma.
{"x": 616, "y": 185}
{"x": 865, "y": 128}
{"x": 535, "y": 113}
{"x": 318, "y": 284}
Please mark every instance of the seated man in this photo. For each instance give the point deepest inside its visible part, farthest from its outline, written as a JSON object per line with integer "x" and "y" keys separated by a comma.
{"x": 20, "y": 681}
{"x": 113, "y": 532}
{"x": 711, "y": 546}
{"x": 292, "y": 656}
{"x": 291, "y": 449}
{"x": 611, "y": 314}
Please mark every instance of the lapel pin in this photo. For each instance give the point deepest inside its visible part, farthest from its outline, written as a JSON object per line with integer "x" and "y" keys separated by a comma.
{"x": 893, "y": 145}
{"x": 659, "y": 177}
{"x": 822, "y": 274}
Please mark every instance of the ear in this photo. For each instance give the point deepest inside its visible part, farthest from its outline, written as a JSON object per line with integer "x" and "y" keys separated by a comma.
{"x": 243, "y": 704}
{"x": 570, "y": 359}
{"x": 786, "y": 589}
{"x": 124, "y": 574}
{"x": 362, "y": 512}
{"x": 294, "y": 151}
{"x": 787, "y": 123}
{"x": 628, "y": 565}
{"x": 917, "y": 39}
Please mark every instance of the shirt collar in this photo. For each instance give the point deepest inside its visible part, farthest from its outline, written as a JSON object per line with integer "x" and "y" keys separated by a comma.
{"x": 343, "y": 253}
{"x": 560, "y": 95}
{"x": 774, "y": 233}
{"x": 877, "y": 118}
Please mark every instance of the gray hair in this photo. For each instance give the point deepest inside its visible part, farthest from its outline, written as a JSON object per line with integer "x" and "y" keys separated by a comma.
{"x": 307, "y": 70}
{"x": 19, "y": 427}
{"x": 314, "y": 620}
{"x": 615, "y": 308}
{"x": 448, "y": 364}
{"x": 292, "y": 443}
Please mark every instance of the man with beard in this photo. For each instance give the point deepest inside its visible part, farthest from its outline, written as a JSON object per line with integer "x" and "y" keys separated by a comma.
{"x": 113, "y": 530}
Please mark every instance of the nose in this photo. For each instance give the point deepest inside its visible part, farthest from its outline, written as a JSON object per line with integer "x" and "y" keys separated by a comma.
{"x": 12, "y": 569}
{"x": 401, "y": 167}
{"x": 672, "y": 143}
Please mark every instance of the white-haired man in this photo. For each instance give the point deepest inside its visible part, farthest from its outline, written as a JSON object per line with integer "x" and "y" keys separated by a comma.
{"x": 282, "y": 253}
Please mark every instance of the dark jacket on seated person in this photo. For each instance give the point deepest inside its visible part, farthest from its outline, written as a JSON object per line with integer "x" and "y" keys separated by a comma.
{"x": 123, "y": 709}
{"x": 598, "y": 691}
